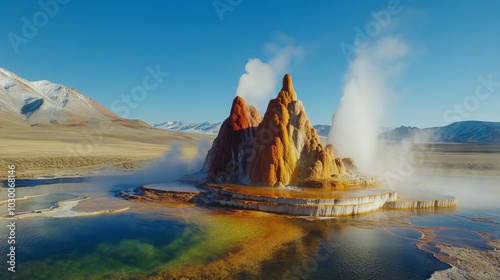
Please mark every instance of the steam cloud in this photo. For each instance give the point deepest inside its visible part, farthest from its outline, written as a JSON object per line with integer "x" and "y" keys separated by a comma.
{"x": 173, "y": 165}
{"x": 259, "y": 82}
{"x": 356, "y": 123}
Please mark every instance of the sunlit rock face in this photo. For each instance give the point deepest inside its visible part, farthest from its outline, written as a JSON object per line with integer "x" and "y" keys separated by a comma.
{"x": 228, "y": 157}
{"x": 287, "y": 148}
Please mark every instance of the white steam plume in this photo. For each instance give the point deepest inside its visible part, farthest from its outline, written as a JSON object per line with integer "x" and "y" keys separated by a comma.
{"x": 173, "y": 165}
{"x": 355, "y": 125}
{"x": 259, "y": 82}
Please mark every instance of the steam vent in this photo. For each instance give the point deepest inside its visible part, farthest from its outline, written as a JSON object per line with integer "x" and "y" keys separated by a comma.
{"x": 277, "y": 163}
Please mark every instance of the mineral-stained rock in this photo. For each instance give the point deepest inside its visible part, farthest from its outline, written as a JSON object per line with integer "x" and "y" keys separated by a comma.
{"x": 149, "y": 192}
{"x": 227, "y": 159}
{"x": 280, "y": 149}
{"x": 286, "y": 147}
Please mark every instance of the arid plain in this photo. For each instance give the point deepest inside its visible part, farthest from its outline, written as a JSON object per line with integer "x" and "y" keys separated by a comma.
{"x": 55, "y": 150}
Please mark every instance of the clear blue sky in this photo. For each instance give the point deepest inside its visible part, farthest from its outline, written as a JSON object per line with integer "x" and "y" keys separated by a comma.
{"x": 101, "y": 48}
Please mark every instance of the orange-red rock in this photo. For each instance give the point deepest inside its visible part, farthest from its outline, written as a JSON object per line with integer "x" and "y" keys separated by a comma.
{"x": 280, "y": 149}
{"x": 286, "y": 147}
{"x": 227, "y": 159}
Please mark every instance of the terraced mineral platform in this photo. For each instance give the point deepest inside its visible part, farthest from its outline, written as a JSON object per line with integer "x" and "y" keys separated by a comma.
{"x": 319, "y": 202}
{"x": 291, "y": 200}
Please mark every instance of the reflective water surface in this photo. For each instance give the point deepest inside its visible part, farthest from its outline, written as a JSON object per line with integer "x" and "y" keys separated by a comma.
{"x": 170, "y": 241}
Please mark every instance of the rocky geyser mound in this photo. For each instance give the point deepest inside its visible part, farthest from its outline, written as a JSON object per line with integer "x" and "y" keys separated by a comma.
{"x": 281, "y": 149}
{"x": 227, "y": 160}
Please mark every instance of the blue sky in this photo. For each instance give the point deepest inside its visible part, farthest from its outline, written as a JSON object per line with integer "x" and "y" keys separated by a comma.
{"x": 102, "y": 48}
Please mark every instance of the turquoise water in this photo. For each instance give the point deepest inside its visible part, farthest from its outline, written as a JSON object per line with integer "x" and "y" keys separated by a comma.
{"x": 51, "y": 248}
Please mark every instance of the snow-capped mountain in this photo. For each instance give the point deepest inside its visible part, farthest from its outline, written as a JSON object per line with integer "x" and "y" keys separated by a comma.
{"x": 43, "y": 102}
{"x": 206, "y": 128}
{"x": 324, "y": 130}
{"x": 213, "y": 128}
{"x": 459, "y": 132}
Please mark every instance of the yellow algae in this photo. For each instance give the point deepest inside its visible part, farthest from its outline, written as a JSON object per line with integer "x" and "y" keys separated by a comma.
{"x": 236, "y": 243}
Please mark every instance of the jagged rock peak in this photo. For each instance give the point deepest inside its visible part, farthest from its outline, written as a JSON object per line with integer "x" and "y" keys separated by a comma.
{"x": 226, "y": 161}
{"x": 287, "y": 83}
{"x": 287, "y": 149}
{"x": 287, "y": 91}
{"x": 243, "y": 116}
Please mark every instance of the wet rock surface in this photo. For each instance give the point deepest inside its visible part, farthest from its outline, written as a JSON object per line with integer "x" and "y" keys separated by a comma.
{"x": 153, "y": 193}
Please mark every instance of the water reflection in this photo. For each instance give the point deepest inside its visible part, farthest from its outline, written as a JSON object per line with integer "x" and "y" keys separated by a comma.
{"x": 204, "y": 243}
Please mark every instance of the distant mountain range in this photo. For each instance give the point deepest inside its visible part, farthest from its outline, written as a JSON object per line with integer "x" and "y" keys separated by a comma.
{"x": 213, "y": 128}
{"x": 459, "y": 132}
{"x": 323, "y": 129}
{"x": 205, "y": 128}
{"x": 42, "y": 102}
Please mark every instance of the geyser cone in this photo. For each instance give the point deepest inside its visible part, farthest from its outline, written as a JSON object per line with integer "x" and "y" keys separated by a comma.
{"x": 227, "y": 159}
{"x": 287, "y": 149}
